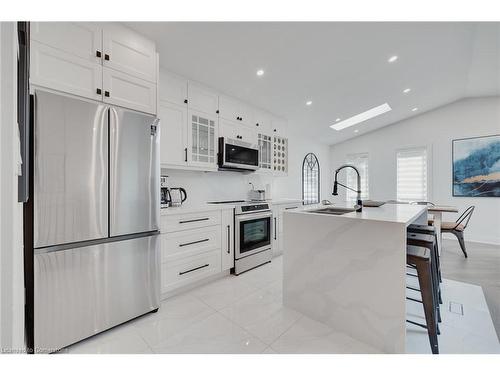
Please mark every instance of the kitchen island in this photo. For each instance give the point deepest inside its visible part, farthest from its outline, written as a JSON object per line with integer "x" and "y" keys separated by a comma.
{"x": 349, "y": 270}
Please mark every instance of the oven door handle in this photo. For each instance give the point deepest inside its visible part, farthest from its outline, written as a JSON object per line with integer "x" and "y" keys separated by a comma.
{"x": 257, "y": 215}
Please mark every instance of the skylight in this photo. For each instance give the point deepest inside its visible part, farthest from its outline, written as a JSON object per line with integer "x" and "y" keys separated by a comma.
{"x": 371, "y": 113}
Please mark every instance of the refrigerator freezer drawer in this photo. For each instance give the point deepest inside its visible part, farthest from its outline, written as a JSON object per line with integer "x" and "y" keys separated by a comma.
{"x": 83, "y": 291}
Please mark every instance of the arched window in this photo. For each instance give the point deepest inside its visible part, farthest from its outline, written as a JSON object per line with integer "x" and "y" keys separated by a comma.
{"x": 310, "y": 179}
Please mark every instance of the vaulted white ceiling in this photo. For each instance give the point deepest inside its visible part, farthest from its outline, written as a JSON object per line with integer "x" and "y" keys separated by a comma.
{"x": 341, "y": 67}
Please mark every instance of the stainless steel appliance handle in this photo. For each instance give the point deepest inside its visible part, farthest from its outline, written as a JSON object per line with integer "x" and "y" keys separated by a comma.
{"x": 257, "y": 215}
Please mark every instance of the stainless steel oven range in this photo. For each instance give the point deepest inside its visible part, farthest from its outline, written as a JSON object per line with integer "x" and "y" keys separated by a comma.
{"x": 253, "y": 228}
{"x": 252, "y": 236}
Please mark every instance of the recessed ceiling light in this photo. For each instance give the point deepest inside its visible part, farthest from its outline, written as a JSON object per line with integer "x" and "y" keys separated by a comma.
{"x": 360, "y": 117}
{"x": 260, "y": 72}
{"x": 392, "y": 59}
{"x": 309, "y": 102}
{"x": 356, "y": 130}
{"x": 406, "y": 91}
{"x": 337, "y": 120}
{"x": 414, "y": 109}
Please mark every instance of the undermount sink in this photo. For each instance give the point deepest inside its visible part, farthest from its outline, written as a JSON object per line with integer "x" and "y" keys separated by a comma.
{"x": 333, "y": 210}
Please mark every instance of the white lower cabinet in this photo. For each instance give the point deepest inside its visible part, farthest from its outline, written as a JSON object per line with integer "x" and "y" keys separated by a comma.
{"x": 128, "y": 91}
{"x": 278, "y": 210}
{"x": 182, "y": 271}
{"x": 63, "y": 71}
{"x": 195, "y": 246}
{"x": 227, "y": 239}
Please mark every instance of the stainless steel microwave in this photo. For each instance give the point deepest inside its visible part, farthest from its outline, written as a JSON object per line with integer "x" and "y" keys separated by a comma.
{"x": 237, "y": 155}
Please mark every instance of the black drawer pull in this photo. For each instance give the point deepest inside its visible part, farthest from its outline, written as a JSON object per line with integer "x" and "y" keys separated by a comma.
{"x": 275, "y": 229}
{"x": 194, "y": 269}
{"x": 290, "y": 208}
{"x": 194, "y": 242}
{"x": 228, "y": 239}
{"x": 194, "y": 220}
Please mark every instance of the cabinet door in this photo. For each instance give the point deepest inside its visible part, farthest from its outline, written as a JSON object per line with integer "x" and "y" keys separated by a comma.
{"x": 173, "y": 143}
{"x": 265, "y": 152}
{"x": 129, "y": 92}
{"x": 227, "y": 239}
{"x": 129, "y": 52}
{"x": 172, "y": 88}
{"x": 202, "y": 139}
{"x": 80, "y": 39}
{"x": 262, "y": 122}
{"x": 59, "y": 70}
{"x": 280, "y": 155}
{"x": 201, "y": 98}
{"x": 234, "y": 110}
{"x": 234, "y": 130}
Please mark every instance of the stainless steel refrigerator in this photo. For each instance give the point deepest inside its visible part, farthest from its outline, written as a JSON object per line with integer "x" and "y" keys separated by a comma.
{"x": 95, "y": 218}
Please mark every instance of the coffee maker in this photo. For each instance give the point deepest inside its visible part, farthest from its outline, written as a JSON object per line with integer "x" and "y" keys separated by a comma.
{"x": 166, "y": 199}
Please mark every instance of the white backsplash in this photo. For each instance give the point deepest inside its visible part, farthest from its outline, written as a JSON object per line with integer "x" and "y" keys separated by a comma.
{"x": 203, "y": 187}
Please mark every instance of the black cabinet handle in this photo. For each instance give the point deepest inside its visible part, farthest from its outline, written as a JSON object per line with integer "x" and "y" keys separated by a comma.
{"x": 194, "y": 242}
{"x": 290, "y": 208}
{"x": 228, "y": 239}
{"x": 106, "y": 57}
{"x": 98, "y": 53}
{"x": 193, "y": 221}
{"x": 185, "y": 101}
{"x": 257, "y": 124}
{"x": 98, "y": 91}
{"x": 275, "y": 229}
{"x": 194, "y": 269}
{"x": 186, "y": 154}
{"x": 217, "y": 111}
{"x": 274, "y": 130}
{"x": 106, "y": 93}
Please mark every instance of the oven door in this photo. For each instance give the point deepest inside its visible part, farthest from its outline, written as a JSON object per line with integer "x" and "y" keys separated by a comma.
{"x": 240, "y": 157}
{"x": 253, "y": 233}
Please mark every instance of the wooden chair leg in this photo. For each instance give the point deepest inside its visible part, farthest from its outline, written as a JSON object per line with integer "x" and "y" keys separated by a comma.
{"x": 460, "y": 238}
{"x": 425, "y": 280}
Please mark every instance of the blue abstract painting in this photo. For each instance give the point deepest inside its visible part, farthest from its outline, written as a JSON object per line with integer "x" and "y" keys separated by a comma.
{"x": 476, "y": 167}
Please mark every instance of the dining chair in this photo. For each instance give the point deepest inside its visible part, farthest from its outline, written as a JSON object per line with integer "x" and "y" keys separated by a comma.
{"x": 457, "y": 228}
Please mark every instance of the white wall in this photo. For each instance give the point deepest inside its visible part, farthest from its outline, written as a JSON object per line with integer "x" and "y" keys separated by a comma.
{"x": 435, "y": 129}
{"x": 212, "y": 186}
{"x": 11, "y": 249}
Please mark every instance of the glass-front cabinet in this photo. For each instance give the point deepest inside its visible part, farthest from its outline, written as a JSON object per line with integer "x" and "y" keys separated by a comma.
{"x": 265, "y": 153}
{"x": 202, "y": 147}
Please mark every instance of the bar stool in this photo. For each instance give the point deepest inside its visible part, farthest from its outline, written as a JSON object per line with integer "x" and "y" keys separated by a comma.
{"x": 430, "y": 230}
{"x": 420, "y": 258}
{"x": 427, "y": 241}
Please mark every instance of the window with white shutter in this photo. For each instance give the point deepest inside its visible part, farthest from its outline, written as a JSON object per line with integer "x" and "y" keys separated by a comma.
{"x": 360, "y": 161}
{"x": 412, "y": 174}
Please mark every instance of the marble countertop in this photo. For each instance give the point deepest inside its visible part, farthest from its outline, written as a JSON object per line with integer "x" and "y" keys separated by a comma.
{"x": 397, "y": 213}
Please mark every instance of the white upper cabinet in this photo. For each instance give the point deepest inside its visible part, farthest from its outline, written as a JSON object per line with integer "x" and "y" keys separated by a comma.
{"x": 173, "y": 88}
{"x": 173, "y": 125}
{"x": 202, "y": 98}
{"x": 58, "y": 70}
{"x": 234, "y": 110}
{"x": 202, "y": 140}
{"x": 230, "y": 129}
{"x": 128, "y": 91}
{"x": 129, "y": 52}
{"x": 79, "y": 39}
{"x": 262, "y": 121}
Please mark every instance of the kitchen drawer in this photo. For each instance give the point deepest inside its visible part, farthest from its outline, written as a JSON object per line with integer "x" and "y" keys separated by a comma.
{"x": 190, "y": 242}
{"x": 184, "y": 271}
{"x": 174, "y": 223}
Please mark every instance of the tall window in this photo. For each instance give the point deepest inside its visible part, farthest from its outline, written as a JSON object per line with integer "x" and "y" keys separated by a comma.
{"x": 310, "y": 179}
{"x": 360, "y": 161}
{"x": 412, "y": 174}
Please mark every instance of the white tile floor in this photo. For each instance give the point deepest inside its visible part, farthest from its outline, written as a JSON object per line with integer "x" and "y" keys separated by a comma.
{"x": 245, "y": 314}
